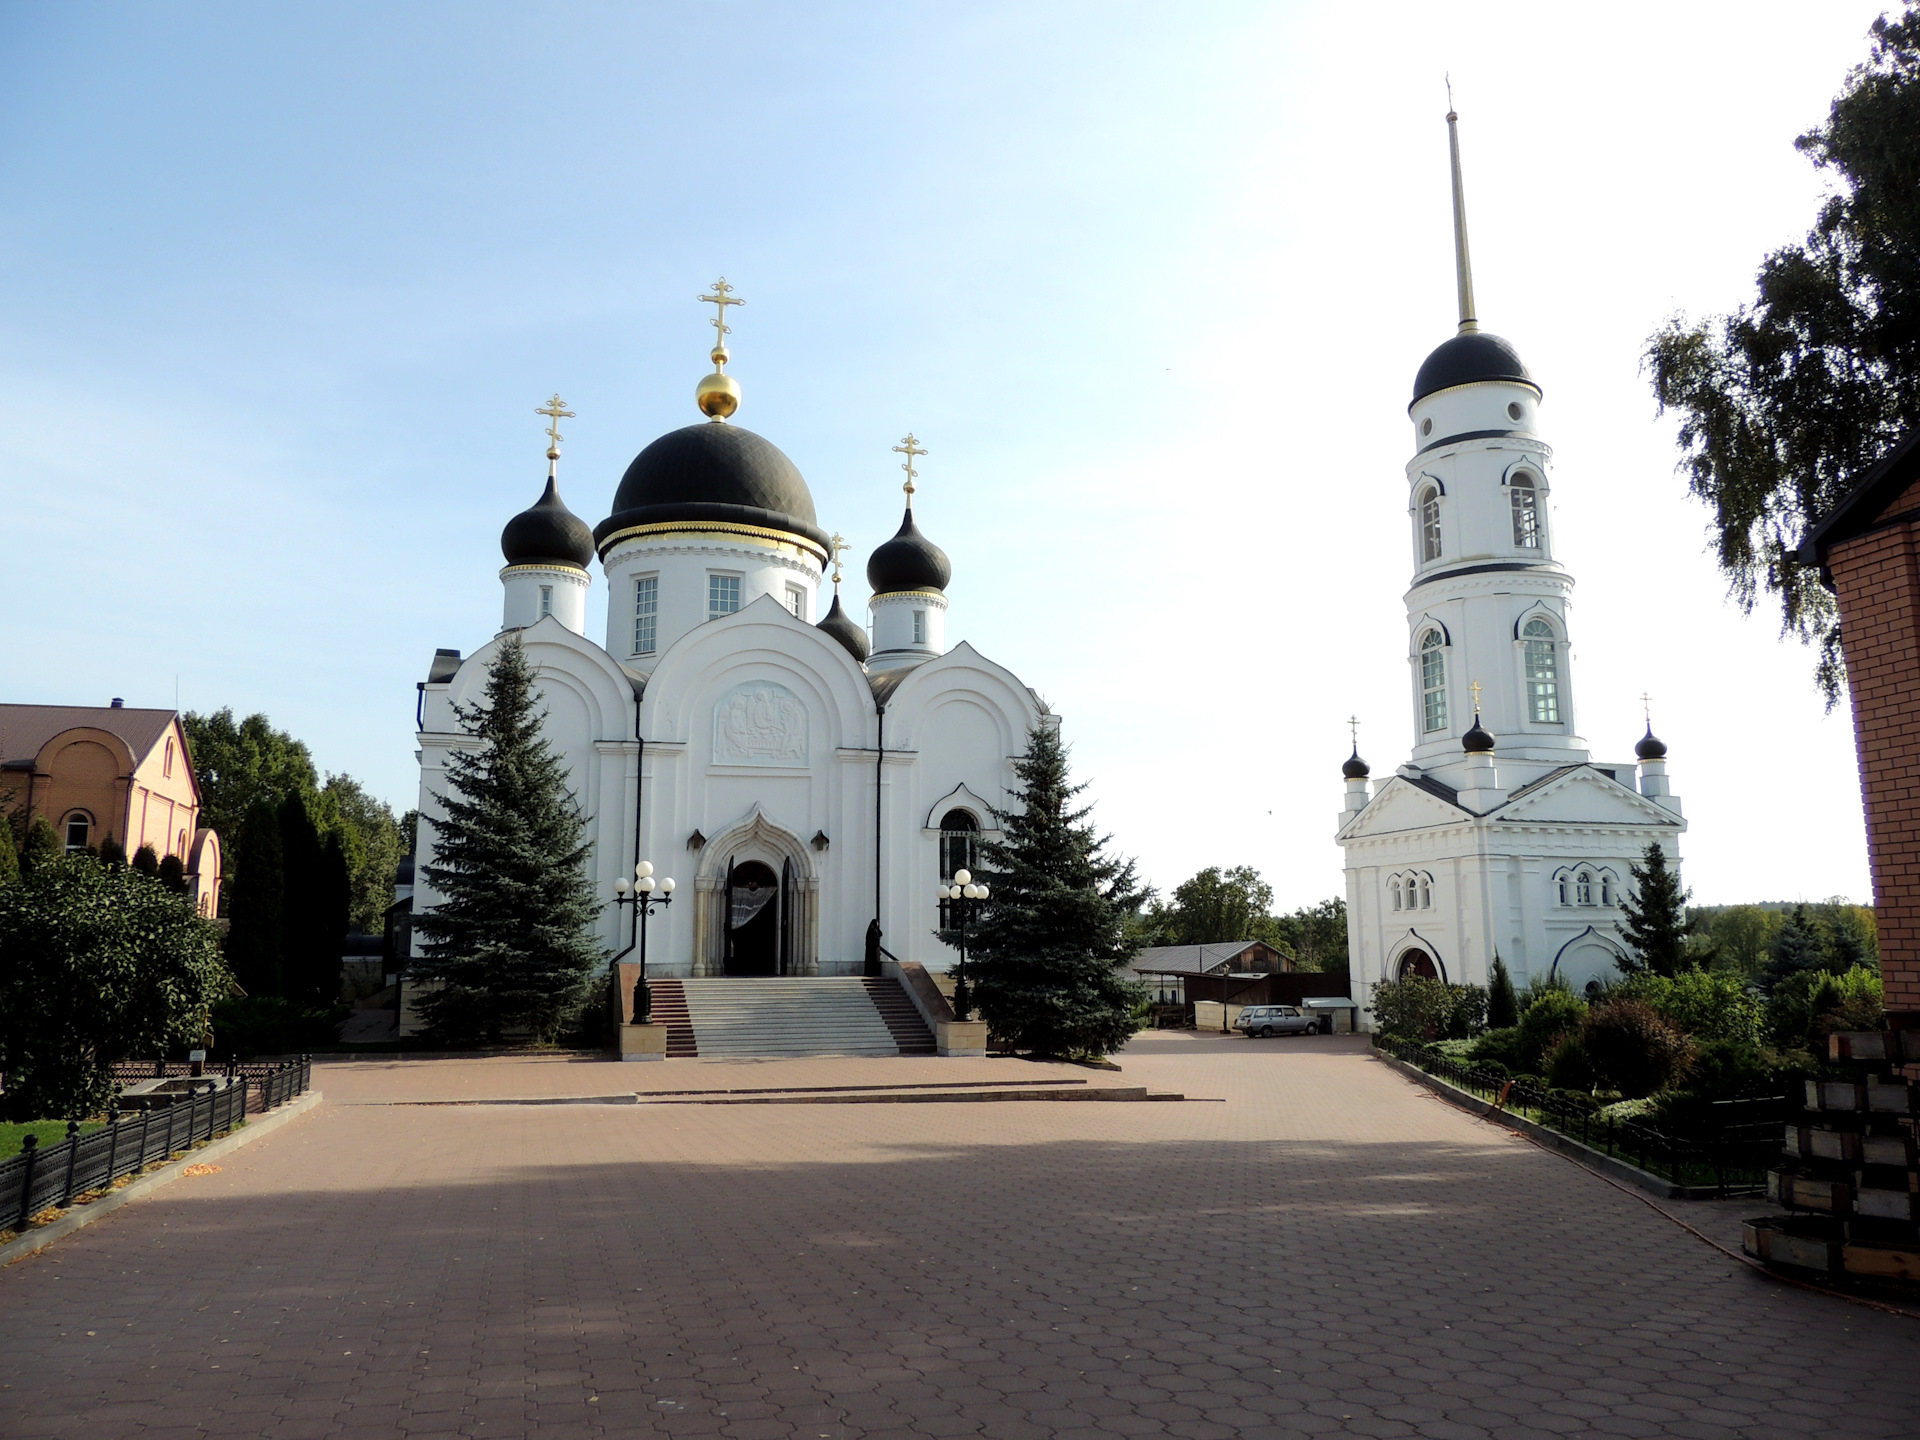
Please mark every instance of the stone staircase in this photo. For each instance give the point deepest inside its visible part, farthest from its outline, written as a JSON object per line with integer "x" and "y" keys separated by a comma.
{"x": 790, "y": 1015}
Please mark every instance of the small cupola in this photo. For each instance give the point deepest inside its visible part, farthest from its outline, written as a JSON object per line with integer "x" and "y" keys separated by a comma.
{"x": 1355, "y": 768}
{"x": 909, "y": 576}
{"x": 1478, "y": 740}
{"x": 837, "y": 623}
{"x": 1651, "y": 746}
{"x": 547, "y": 549}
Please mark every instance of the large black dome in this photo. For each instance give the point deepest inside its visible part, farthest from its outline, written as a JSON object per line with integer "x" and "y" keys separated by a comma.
{"x": 549, "y": 532}
{"x": 909, "y": 561}
{"x": 1467, "y": 357}
{"x": 713, "y": 472}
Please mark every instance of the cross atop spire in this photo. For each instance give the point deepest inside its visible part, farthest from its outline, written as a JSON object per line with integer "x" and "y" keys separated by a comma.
{"x": 721, "y": 297}
{"x": 1462, "y": 262}
{"x": 837, "y": 545}
{"x": 1475, "y": 687}
{"x": 1646, "y": 707}
{"x": 1353, "y": 726}
{"x": 909, "y": 447}
{"x": 555, "y": 410}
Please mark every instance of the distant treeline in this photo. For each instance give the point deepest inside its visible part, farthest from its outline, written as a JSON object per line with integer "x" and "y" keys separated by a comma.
{"x": 1746, "y": 938}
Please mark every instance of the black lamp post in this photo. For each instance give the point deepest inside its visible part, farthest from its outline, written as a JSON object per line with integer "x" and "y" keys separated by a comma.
{"x": 964, "y": 895}
{"x": 647, "y": 893}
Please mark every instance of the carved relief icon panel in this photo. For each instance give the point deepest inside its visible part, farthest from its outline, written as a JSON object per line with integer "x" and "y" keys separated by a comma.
{"x": 760, "y": 722}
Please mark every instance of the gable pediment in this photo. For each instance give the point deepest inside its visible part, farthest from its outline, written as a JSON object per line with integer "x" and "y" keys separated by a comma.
{"x": 1584, "y": 796}
{"x": 1401, "y": 805}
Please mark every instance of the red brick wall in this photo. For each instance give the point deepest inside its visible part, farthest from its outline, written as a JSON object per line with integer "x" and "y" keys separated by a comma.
{"x": 1877, "y": 581}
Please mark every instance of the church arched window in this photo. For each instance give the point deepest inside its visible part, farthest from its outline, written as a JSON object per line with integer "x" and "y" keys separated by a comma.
{"x": 1566, "y": 889}
{"x": 79, "y": 830}
{"x": 1606, "y": 888}
{"x": 1543, "y": 673}
{"x": 1425, "y": 883}
{"x": 1525, "y": 501}
{"x": 1429, "y": 524}
{"x": 959, "y": 850}
{"x": 1433, "y": 682}
{"x": 1583, "y": 888}
{"x": 1393, "y": 888}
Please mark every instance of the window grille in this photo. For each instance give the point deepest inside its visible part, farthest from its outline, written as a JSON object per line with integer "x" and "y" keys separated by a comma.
{"x": 646, "y": 613}
{"x": 723, "y": 595}
{"x": 1429, "y": 524}
{"x": 1526, "y": 513}
{"x": 1543, "y": 673}
{"x": 1583, "y": 888}
{"x": 546, "y": 601}
{"x": 919, "y": 627}
{"x": 1433, "y": 682}
{"x": 797, "y": 602}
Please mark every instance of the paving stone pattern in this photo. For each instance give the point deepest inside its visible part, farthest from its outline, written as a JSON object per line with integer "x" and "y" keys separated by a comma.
{"x": 1331, "y": 1250}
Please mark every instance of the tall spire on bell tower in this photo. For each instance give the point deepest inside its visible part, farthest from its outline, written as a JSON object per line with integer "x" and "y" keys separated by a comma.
{"x": 1462, "y": 261}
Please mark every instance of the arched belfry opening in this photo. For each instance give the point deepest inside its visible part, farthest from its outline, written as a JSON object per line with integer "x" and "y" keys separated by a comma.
{"x": 756, "y": 903}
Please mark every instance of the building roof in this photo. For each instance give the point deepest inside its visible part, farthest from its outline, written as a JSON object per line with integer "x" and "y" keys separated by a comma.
{"x": 1192, "y": 959}
{"x": 25, "y": 729}
{"x": 1470, "y": 356}
{"x": 909, "y": 561}
{"x": 844, "y": 628}
{"x": 547, "y": 532}
{"x": 1864, "y": 507}
{"x": 718, "y": 473}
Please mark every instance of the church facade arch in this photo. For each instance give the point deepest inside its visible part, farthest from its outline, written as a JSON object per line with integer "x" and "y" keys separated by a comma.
{"x": 1415, "y": 955}
{"x": 1588, "y": 960}
{"x": 756, "y": 839}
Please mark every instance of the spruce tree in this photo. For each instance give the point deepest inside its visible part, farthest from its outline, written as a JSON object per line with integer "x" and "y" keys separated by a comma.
{"x": 1048, "y": 963}
{"x": 113, "y": 855}
{"x": 255, "y": 934}
{"x": 146, "y": 860}
{"x": 1656, "y": 928}
{"x": 43, "y": 847}
{"x": 1503, "y": 1006}
{"x": 314, "y": 917}
{"x": 1795, "y": 949}
{"x": 511, "y": 936}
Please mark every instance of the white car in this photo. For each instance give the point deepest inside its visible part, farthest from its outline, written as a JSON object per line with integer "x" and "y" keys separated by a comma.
{"x": 1265, "y": 1020}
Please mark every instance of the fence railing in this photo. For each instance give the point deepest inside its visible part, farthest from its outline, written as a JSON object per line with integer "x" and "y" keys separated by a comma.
{"x": 1732, "y": 1152}
{"x": 52, "y": 1175}
{"x": 254, "y": 1073}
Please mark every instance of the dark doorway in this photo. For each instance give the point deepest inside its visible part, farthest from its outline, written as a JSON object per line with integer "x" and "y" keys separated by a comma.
{"x": 753, "y": 920}
{"x": 1418, "y": 962}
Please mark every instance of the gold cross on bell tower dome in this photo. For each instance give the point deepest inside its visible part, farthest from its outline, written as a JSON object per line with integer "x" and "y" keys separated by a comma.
{"x": 910, "y": 448}
{"x": 555, "y": 410}
{"x": 718, "y": 394}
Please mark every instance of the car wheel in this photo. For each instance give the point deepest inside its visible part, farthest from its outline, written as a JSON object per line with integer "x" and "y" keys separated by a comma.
{"x": 1266, "y": 1032}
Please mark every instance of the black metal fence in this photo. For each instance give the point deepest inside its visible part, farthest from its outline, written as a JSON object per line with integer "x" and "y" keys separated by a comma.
{"x": 52, "y": 1175}
{"x": 1732, "y": 1148}
{"x": 255, "y": 1074}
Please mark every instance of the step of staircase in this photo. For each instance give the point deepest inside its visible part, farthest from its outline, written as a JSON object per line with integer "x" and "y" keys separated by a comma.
{"x": 797, "y": 1015}
{"x": 670, "y": 1010}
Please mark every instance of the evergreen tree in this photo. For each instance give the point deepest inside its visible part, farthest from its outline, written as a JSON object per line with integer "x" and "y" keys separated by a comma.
{"x": 43, "y": 847}
{"x": 173, "y": 873}
{"x": 1048, "y": 963}
{"x": 1656, "y": 912}
{"x": 9, "y": 856}
{"x": 255, "y": 936}
{"x": 313, "y": 908}
{"x": 1844, "y": 949}
{"x": 511, "y": 937}
{"x": 1796, "y": 949}
{"x": 113, "y": 854}
{"x": 146, "y": 860}
{"x": 1503, "y": 1006}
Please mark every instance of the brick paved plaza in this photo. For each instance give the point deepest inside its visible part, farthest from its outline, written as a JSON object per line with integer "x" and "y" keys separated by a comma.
{"x": 1330, "y": 1250}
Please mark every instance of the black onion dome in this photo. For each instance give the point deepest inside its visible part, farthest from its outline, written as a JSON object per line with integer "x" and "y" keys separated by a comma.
{"x": 547, "y": 533}
{"x": 1478, "y": 740}
{"x": 1467, "y": 357}
{"x": 844, "y": 628}
{"x": 1355, "y": 768}
{"x": 1651, "y": 747}
{"x": 909, "y": 561}
{"x": 713, "y": 472}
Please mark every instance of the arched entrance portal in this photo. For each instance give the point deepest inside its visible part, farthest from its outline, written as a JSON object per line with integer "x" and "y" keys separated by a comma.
{"x": 753, "y": 920}
{"x": 1418, "y": 962}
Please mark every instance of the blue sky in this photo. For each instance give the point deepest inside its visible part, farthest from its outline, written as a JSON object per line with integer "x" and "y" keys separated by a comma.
{"x": 283, "y": 286}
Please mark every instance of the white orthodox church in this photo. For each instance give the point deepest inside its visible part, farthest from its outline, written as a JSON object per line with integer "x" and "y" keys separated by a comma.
{"x": 1501, "y": 833}
{"x": 801, "y": 777}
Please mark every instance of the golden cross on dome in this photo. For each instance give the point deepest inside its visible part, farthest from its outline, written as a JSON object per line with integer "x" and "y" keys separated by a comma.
{"x": 838, "y": 544}
{"x": 1353, "y": 725}
{"x": 1646, "y": 704}
{"x": 1475, "y": 687}
{"x": 909, "y": 447}
{"x": 721, "y": 297}
{"x": 555, "y": 410}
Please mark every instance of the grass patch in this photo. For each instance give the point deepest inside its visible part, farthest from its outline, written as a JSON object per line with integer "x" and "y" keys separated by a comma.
{"x": 13, "y": 1138}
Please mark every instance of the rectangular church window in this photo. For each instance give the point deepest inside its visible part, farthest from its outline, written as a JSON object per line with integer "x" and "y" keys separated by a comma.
{"x": 919, "y": 627}
{"x": 646, "y": 613}
{"x": 723, "y": 595}
{"x": 797, "y": 602}
{"x": 546, "y": 601}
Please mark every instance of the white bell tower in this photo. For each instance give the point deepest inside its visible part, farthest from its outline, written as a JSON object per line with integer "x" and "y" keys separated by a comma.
{"x": 1487, "y": 612}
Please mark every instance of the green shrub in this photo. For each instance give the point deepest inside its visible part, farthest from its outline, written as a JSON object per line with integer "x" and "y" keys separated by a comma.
{"x": 1726, "y": 1069}
{"x": 1801, "y": 1001}
{"x": 1415, "y": 1008}
{"x": 1502, "y": 1048}
{"x": 269, "y": 1025}
{"x": 1706, "y": 1004}
{"x": 1493, "y": 1068}
{"x": 1503, "y": 1006}
{"x": 1634, "y": 1048}
{"x": 1468, "y": 1015}
{"x": 1568, "y": 1067}
{"x": 1553, "y": 1012}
